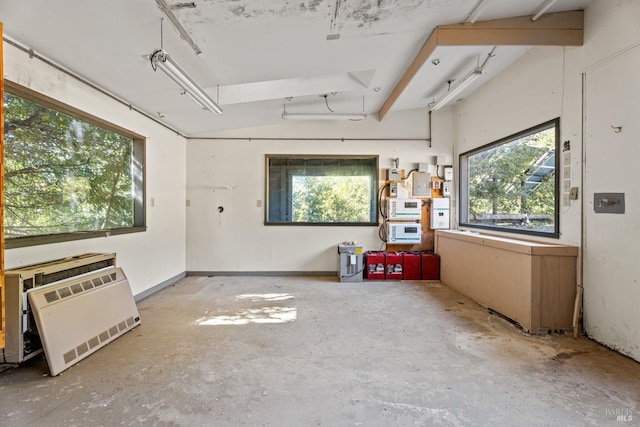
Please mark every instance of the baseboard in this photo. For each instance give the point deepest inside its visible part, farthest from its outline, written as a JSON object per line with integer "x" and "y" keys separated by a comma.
{"x": 262, "y": 273}
{"x": 159, "y": 286}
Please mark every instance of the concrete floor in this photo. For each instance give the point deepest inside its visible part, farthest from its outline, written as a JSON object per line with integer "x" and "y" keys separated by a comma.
{"x": 284, "y": 351}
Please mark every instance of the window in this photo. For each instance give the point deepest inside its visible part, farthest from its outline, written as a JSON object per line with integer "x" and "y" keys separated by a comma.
{"x": 512, "y": 184}
{"x": 331, "y": 190}
{"x": 67, "y": 175}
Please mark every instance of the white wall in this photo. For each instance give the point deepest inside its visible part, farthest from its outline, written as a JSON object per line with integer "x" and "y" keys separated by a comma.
{"x": 611, "y": 269}
{"x": 547, "y": 83}
{"x": 237, "y": 240}
{"x": 148, "y": 258}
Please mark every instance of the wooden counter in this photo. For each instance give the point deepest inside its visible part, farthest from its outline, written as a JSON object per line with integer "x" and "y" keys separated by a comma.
{"x": 532, "y": 283}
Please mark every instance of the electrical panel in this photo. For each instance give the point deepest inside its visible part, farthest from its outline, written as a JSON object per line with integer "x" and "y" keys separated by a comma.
{"x": 440, "y": 213}
{"x": 404, "y": 233}
{"x": 401, "y": 209}
{"x": 421, "y": 184}
{"x": 350, "y": 260}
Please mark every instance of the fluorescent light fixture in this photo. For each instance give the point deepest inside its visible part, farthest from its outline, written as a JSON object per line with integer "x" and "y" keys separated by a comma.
{"x": 323, "y": 116}
{"x": 161, "y": 59}
{"x": 543, "y": 9}
{"x": 457, "y": 88}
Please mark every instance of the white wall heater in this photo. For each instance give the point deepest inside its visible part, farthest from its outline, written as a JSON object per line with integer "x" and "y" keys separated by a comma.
{"x": 77, "y": 316}
{"x": 22, "y": 340}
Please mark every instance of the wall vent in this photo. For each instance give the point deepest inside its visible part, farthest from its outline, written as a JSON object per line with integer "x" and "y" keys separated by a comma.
{"x": 22, "y": 339}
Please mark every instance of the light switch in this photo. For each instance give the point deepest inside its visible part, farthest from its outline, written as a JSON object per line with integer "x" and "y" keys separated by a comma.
{"x": 608, "y": 203}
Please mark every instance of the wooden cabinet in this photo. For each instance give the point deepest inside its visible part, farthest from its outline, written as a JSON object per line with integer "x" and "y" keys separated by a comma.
{"x": 531, "y": 283}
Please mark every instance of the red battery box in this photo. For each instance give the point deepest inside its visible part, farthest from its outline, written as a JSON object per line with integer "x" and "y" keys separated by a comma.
{"x": 411, "y": 266}
{"x": 374, "y": 266}
{"x": 430, "y": 266}
{"x": 393, "y": 266}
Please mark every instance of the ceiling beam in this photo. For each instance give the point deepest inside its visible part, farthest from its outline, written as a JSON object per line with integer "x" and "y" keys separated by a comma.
{"x": 425, "y": 52}
{"x": 553, "y": 29}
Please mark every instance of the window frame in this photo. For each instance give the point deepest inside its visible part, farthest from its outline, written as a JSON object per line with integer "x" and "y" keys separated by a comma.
{"x": 463, "y": 164}
{"x": 375, "y": 208}
{"x": 138, "y": 175}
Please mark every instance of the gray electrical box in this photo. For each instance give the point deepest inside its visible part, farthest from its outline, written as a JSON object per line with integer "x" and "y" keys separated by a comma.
{"x": 421, "y": 184}
{"x": 350, "y": 261}
{"x": 394, "y": 174}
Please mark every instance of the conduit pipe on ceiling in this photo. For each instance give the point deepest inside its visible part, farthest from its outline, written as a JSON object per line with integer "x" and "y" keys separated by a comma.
{"x": 475, "y": 13}
{"x": 184, "y": 34}
{"x": 546, "y": 5}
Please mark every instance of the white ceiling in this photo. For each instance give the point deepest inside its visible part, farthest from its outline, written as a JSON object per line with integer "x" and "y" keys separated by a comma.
{"x": 259, "y": 56}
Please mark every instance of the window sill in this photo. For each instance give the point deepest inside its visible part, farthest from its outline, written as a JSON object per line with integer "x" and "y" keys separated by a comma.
{"x": 551, "y": 235}
{"x": 22, "y": 242}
